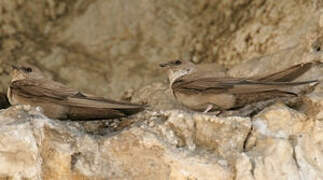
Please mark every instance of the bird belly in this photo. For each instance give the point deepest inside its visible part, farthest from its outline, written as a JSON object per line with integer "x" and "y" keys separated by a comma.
{"x": 200, "y": 101}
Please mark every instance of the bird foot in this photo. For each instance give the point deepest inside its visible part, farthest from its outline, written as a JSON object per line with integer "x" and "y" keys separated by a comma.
{"x": 208, "y": 108}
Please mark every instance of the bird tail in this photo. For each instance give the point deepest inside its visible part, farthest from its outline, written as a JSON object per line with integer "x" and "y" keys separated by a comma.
{"x": 289, "y": 74}
{"x": 296, "y": 83}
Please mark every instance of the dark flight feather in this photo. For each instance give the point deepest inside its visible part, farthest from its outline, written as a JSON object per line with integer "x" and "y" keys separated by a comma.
{"x": 81, "y": 106}
{"x": 190, "y": 83}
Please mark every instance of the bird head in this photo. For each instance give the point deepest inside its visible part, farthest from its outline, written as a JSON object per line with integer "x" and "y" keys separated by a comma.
{"x": 25, "y": 72}
{"x": 177, "y": 68}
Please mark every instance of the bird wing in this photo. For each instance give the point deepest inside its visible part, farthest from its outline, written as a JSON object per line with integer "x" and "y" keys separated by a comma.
{"x": 41, "y": 89}
{"x": 99, "y": 102}
{"x": 57, "y": 93}
{"x": 228, "y": 85}
{"x": 288, "y": 74}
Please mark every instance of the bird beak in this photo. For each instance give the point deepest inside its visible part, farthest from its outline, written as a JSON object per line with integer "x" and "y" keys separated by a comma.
{"x": 14, "y": 67}
{"x": 164, "y": 65}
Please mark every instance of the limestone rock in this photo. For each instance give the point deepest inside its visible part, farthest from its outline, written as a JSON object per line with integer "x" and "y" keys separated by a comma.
{"x": 20, "y": 154}
{"x": 41, "y": 148}
{"x": 277, "y": 142}
{"x": 224, "y": 136}
{"x": 279, "y": 145}
{"x": 118, "y": 51}
{"x": 113, "y": 48}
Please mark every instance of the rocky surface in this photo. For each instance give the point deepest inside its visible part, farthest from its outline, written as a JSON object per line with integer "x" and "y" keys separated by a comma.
{"x": 117, "y": 45}
{"x": 279, "y": 142}
{"x": 113, "y": 48}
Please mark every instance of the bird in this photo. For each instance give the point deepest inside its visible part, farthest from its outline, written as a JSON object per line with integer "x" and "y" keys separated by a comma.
{"x": 29, "y": 86}
{"x": 193, "y": 88}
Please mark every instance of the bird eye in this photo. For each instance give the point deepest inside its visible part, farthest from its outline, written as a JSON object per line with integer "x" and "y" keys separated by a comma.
{"x": 316, "y": 46}
{"x": 28, "y": 69}
{"x": 178, "y": 62}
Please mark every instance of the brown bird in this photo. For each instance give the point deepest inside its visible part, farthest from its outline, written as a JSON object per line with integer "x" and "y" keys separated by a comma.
{"x": 199, "y": 92}
{"x": 29, "y": 86}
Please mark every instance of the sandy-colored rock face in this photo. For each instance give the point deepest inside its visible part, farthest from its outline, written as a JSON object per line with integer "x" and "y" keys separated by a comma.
{"x": 278, "y": 142}
{"x": 39, "y": 148}
{"x": 117, "y": 45}
{"x": 113, "y": 48}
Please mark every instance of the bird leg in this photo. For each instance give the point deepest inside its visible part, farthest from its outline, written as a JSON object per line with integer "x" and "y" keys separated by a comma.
{"x": 208, "y": 108}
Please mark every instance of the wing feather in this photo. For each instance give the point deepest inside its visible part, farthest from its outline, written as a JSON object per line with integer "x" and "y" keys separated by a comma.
{"x": 229, "y": 85}
{"x": 288, "y": 74}
{"x": 60, "y": 94}
{"x": 41, "y": 89}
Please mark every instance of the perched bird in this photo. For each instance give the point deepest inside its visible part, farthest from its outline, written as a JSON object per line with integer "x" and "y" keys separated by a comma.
{"x": 29, "y": 86}
{"x": 201, "y": 92}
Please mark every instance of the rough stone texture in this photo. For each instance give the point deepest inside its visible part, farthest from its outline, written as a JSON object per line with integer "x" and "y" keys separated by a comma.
{"x": 279, "y": 142}
{"x": 117, "y": 45}
{"x": 35, "y": 147}
{"x": 113, "y": 48}
{"x": 280, "y": 147}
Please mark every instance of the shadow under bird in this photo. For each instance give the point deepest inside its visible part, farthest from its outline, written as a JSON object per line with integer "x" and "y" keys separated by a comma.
{"x": 201, "y": 92}
{"x": 29, "y": 86}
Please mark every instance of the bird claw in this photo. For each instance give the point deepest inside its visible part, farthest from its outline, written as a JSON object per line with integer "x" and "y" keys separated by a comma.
{"x": 208, "y": 108}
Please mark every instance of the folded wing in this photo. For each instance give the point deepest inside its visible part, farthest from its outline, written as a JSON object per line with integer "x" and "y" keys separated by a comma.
{"x": 229, "y": 85}
{"x": 57, "y": 93}
{"x": 288, "y": 74}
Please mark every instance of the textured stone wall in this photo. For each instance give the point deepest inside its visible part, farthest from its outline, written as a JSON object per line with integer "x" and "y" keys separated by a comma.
{"x": 113, "y": 48}
{"x": 117, "y": 45}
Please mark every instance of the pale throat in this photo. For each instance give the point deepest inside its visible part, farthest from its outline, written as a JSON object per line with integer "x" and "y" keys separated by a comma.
{"x": 17, "y": 76}
{"x": 22, "y": 76}
{"x": 173, "y": 75}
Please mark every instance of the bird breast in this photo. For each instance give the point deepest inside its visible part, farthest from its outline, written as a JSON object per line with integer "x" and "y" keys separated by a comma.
{"x": 200, "y": 101}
